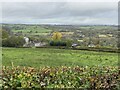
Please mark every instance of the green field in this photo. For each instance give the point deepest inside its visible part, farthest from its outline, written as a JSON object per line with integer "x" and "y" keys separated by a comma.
{"x": 40, "y": 57}
{"x": 33, "y": 30}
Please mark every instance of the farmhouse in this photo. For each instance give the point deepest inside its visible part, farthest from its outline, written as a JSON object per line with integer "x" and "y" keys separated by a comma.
{"x": 39, "y": 44}
{"x": 109, "y": 35}
{"x": 91, "y": 45}
{"x": 102, "y": 36}
{"x": 26, "y": 40}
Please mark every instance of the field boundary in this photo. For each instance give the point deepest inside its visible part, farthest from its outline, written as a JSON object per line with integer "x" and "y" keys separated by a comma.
{"x": 86, "y": 49}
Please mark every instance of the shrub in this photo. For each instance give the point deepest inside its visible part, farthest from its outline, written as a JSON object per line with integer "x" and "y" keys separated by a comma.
{"x": 52, "y": 43}
{"x": 13, "y": 41}
{"x": 63, "y": 44}
{"x": 57, "y": 43}
{"x": 88, "y": 78}
{"x": 4, "y": 34}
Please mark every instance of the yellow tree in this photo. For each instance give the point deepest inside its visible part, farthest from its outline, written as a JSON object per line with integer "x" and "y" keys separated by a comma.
{"x": 57, "y": 36}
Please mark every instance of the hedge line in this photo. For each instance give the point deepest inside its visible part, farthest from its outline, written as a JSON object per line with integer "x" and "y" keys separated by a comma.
{"x": 90, "y": 78}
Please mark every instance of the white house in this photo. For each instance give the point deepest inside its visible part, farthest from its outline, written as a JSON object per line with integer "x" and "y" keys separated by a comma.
{"x": 102, "y": 36}
{"x": 26, "y": 40}
{"x": 91, "y": 45}
{"x": 39, "y": 44}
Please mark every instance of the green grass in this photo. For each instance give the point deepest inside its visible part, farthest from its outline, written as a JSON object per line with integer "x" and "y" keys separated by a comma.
{"x": 32, "y": 30}
{"x": 39, "y": 57}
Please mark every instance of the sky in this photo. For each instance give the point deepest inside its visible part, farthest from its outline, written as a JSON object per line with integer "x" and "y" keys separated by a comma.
{"x": 87, "y": 12}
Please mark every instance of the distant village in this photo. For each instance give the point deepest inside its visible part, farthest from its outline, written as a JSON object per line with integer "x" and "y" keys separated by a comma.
{"x": 73, "y": 35}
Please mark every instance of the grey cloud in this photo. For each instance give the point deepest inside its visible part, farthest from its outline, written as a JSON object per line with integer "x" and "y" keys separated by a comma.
{"x": 35, "y": 10}
{"x": 60, "y": 12}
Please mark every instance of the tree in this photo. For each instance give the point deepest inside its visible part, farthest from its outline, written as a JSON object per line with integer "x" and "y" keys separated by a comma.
{"x": 4, "y": 34}
{"x": 8, "y": 29}
{"x": 58, "y": 43}
{"x": 57, "y": 40}
{"x": 13, "y": 41}
{"x": 57, "y": 36}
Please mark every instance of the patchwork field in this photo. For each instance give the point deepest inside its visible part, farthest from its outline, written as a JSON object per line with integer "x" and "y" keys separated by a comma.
{"x": 40, "y": 57}
{"x": 32, "y": 30}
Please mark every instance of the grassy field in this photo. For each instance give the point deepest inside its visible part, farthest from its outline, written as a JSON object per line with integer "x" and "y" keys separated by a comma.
{"x": 40, "y": 57}
{"x": 32, "y": 30}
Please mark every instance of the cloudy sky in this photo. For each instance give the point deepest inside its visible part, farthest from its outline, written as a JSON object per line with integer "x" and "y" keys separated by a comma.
{"x": 65, "y": 12}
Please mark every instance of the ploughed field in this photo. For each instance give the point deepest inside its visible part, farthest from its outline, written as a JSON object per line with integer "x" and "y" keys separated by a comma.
{"x": 41, "y": 57}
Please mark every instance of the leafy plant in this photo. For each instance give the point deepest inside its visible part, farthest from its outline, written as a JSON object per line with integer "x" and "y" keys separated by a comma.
{"x": 62, "y": 77}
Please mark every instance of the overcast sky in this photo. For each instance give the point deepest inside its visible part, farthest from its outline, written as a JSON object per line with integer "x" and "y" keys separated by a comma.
{"x": 60, "y": 12}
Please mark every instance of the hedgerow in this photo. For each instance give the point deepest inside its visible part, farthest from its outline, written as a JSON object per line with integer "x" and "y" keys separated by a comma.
{"x": 91, "y": 78}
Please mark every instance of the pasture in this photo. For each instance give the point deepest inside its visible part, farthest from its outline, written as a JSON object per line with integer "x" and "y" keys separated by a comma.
{"x": 32, "y": 30}
{"x": 40, "y": 57}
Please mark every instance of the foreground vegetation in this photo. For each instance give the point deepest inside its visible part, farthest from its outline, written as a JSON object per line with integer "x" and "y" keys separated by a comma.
{"x": 40, "y": 57}
{"x": 59, "y": 68}
{"x": 95, "y": 78}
